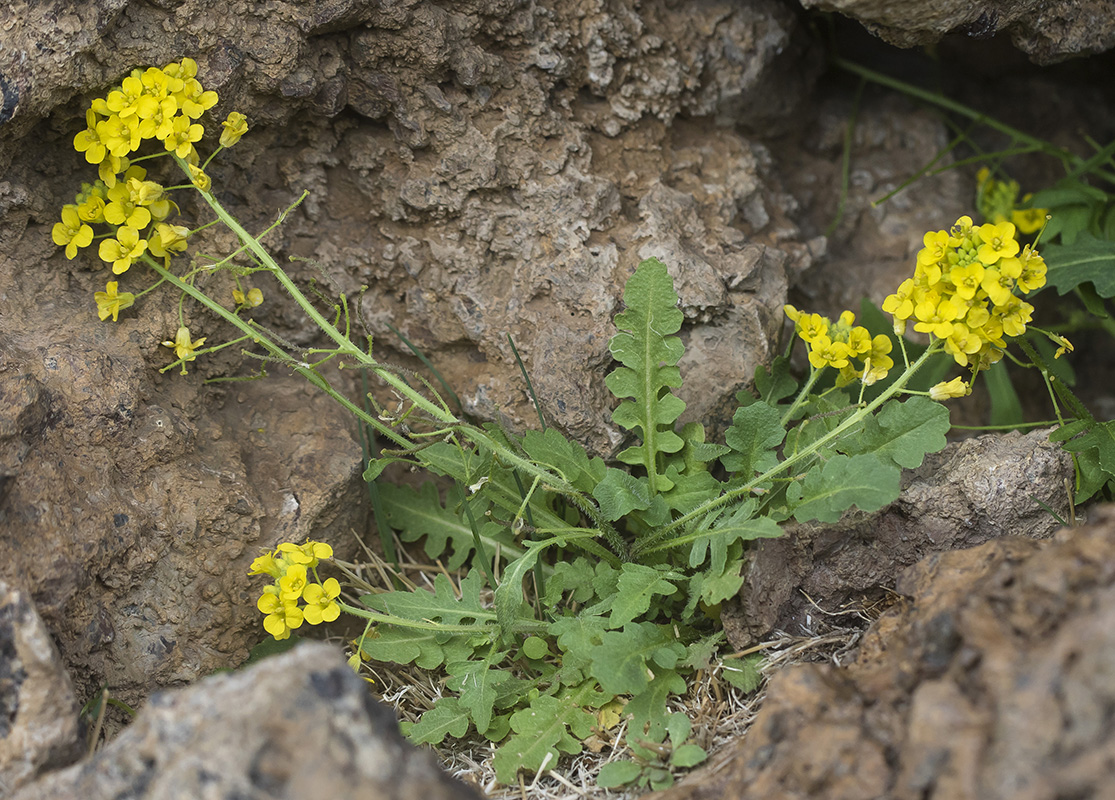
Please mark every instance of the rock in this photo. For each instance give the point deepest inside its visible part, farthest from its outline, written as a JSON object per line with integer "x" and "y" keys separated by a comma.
{"x": 992, "y": 680}
{"x": 300, "y": 724}
{"x": 972, "y": 491}
{"x": 38, "y": 711}
{"x": 1047, "y": 31}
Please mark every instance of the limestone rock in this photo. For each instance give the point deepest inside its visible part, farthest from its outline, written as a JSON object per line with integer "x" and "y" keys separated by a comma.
{"x": 991, "y": 681}
{"x": 38, "y": 711}
{"x": 296, "y": 725}
{"x": 970, "y": 492}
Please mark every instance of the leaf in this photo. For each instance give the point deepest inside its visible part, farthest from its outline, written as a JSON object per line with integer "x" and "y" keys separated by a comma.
{"x": 548, "y": 725}
{"x": 743, "y": 673}
{"x": 755, "y": 434}
{"x": 569, "y": 459}
{"x": 827, "y": 492}
{"x": 1086, "y": 259}
{"x": 509, "y": 599}
{"x": 1101, "y": 436}
{"x": 620, "y": 493}
{"x": 650, "y": 716}
{"x": 447, "y": 718}
{"x": 688, "y": 755}
{"x": 618, "y": 773}
{"x": 476, "y": 682}
{"x": 420, "y": 513}
{"x": 902, "y": 432}
{"x": 776, "y": 383}
{"x": 648, "y": 352}
{"x": 637, "y": 587}
{"x": 740, "y": 525}
{"x": 620, "y": 662}
{"x": 427, "y": 649}
{"x": 441, "y": 605}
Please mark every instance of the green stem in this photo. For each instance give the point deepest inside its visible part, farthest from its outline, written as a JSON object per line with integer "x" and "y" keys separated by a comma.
{"x": 965, "y": 111}
{"x": 851, "y": 422}
{"x": 521, "y": 625}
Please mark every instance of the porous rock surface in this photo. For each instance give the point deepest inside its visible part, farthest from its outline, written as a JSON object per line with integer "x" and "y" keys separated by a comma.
{"x": 1047, "y": 30}
{"x": 991, "y": 681}
{"x": 296, "y": 725}
{"x": 972, "y": 491}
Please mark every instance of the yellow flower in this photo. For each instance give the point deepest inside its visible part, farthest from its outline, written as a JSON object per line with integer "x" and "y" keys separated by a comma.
{"x": 812, "y": 327}
{"x": 122, "y": 208}
{"x": 123, "y": 250}
{"x": 1066, "y": 345}
{"x": 120, "y": 135}
{"x": 92, "y": 209}
{"x": 156, "y": 116}
{"x": 167, "y": 239}
{"x": 307, "y": 554}
{"x": 293, "y": 582}
{"x": 235, "y": 126}
{"x": 182, "y": 137}
{"x": 266, "y": 564}
{"x": 1029, "y": 220}
{"x": 280, "y": 617}
{"x": 89, "y": 142}
{"x": 199, "y": 178}
{"x": 1033, "y": 271}
{"x": 947, "y": 389}
{"x": 183, "y": 347}
{"x": 250, "y": 300}
{"x": 71, "y": 231}
{"x": 124, "y": 100}
{"x": 935, "y": 315}
{"x": 998, "y": 242}
{"x": 321, "y": 603}
{"x": 967, "y": 280}
{"x": 111, "y": 303}
{"x": 824, "y": 352}
{"x": 936, "y": 243}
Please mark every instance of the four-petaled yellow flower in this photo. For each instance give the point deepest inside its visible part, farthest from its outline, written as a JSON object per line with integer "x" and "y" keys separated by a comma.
{"x": 253, "y": 298}
{"x": 123, "y": 250}
{"x": 71, "y": 231}
{"x": 280, "y": 617}
{"x": 110, "y": 303}
{"x": 321, "y": 603}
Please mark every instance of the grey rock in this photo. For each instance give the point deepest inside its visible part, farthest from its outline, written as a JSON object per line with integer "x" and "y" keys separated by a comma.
{"x": 39, "y": 728}
{"x": 297, "y": 725}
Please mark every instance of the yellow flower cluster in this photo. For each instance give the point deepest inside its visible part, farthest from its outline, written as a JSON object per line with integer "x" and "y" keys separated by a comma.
{"x": 293, "y": 598}
{"x": 841, "y": 344}
{"x": 153, "y": 104}
{"x": 998, "y": 200}
{"x": 963, "y": 290}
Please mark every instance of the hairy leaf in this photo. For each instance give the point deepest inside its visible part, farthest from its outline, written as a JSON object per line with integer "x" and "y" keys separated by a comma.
{"x": 826, "y": 493}
{"x": 620, "y": 662}
{"x": 620, "y": 493}
{"x": 755, "y": 434}
{"x": 637, "y": 588}
{"x": 566, "y": 457}
{"x": 1086, "y": 259}
{"x": 427, "y": 649}
{"x": 649, "y": 352}
{"x": 477, "y": 684}
{"x": 420, "y": 513}
{"x": 548, "y": 725}
{"x": 441, "y": 605}
{"x": 447, "y": 718}
{"x": 902, "y": 432}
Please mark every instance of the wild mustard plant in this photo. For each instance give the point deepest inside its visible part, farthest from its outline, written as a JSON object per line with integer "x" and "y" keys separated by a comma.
{"x": 589, "y": 588}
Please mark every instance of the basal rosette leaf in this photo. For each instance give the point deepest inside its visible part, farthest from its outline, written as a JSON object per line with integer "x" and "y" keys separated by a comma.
{"x": 649, "y": 352}
{"x": 549, "y": 726}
